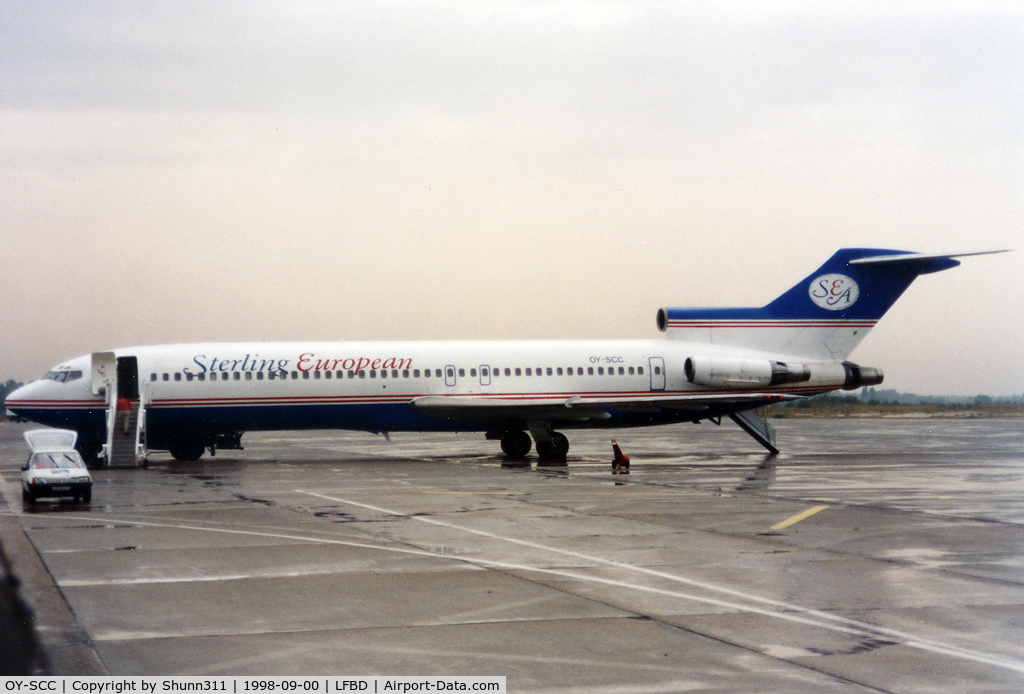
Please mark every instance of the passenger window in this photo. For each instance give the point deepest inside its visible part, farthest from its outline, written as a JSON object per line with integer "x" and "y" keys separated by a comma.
{"x": 622, "y": 371}
{"x": 529, "y": 371}
{"x": 631, "y": 370}
{"x": 405, "y": 373}
{"x": 590, "y": 370}
{"x": 519, "y": 371}
{"x": 549, "y": 371}
{"x": 248, "y": 376}
{"x": 238, "y": 376}
{"x": 472, "y": 373}
{"x": 259, "y": 375}
{"x": 415, "y": 373}
{"x": 640, "y": 370}
{"x": 327, "y": 374}
{"x": 316, "y": 374}
{"x": 462, "y": 373}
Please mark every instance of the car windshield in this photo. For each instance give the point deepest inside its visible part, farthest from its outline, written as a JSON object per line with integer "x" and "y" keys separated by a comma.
{"x": 52, "y": 461}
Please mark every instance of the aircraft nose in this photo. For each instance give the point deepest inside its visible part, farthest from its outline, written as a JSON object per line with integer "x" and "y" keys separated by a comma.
{"x": 22, "y": 397}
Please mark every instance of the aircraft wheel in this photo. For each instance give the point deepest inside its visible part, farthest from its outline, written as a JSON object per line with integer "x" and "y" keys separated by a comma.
{"x": 187, "y": 450}
{"x": 516, "y": 444}
{"x": 555, "y": 449}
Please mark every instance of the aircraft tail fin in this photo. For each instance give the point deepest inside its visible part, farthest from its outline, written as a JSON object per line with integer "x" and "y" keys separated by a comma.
{"x": 824, "y": 316}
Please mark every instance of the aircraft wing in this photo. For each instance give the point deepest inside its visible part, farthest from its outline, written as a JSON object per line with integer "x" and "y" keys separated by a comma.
{"x": 576, "y": 408}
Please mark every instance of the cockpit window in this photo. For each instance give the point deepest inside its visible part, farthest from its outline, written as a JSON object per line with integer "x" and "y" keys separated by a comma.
{"x": 63, "y": 376}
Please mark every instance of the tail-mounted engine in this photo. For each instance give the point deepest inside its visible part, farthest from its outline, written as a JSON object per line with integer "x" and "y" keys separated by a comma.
{"x": 724, "y": 372}
{"x": 860, "y": 376}
{"x": 740, "y": 374}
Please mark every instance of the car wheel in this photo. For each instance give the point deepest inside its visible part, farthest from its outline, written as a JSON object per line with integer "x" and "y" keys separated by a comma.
{"x": 86, "y": 496}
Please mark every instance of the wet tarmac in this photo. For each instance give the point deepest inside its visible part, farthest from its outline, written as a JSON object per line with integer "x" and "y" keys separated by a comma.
{"x": 871, "y": 556}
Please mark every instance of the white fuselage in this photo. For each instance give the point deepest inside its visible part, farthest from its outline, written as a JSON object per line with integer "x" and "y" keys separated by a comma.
{"x": 203, "y": 390}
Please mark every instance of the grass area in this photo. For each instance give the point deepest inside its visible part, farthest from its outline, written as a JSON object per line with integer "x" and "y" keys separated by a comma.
{"x": 848, "y": 407}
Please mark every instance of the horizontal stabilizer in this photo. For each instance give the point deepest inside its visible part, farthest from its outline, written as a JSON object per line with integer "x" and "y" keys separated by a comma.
{"x": 920, "y": 258}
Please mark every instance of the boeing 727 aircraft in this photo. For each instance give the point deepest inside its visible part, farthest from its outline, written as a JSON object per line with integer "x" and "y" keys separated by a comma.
{"x": 714, "y": 363}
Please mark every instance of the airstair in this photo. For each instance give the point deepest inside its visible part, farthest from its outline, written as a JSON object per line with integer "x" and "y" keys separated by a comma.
{"x": 117, "y": 379}
{"x": 126, "y": 438}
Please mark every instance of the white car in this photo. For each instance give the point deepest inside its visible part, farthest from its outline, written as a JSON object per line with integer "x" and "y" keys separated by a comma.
{"x": 54, "y": 468}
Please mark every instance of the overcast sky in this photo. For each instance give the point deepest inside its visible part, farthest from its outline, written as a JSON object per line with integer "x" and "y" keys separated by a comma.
{"x": 192, "y": 171}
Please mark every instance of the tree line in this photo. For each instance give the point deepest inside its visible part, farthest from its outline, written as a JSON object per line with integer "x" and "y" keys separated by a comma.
{"x": 6, "y": 388}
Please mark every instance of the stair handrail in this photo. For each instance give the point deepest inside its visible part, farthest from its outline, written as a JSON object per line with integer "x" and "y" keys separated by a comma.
{"x": 108, "y": 447}
{"x": 141, "y": 452}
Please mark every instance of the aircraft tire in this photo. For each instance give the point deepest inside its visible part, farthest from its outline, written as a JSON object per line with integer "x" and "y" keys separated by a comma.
{"x": 187, "y": 451}
{"x": 555, "y": 449}
{"x": 516, "y": 444}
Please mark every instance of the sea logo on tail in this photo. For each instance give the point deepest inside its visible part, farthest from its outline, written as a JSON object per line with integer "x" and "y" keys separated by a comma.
{"x": 834, "y": 292}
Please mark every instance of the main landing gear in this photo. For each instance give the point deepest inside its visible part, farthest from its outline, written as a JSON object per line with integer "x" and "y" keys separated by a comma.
{"x": 552, "y": 446}
{"x": 516, "y": 444}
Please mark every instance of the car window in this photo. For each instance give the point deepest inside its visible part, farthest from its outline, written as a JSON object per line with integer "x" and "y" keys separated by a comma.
{"x": 52, "y": 461}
